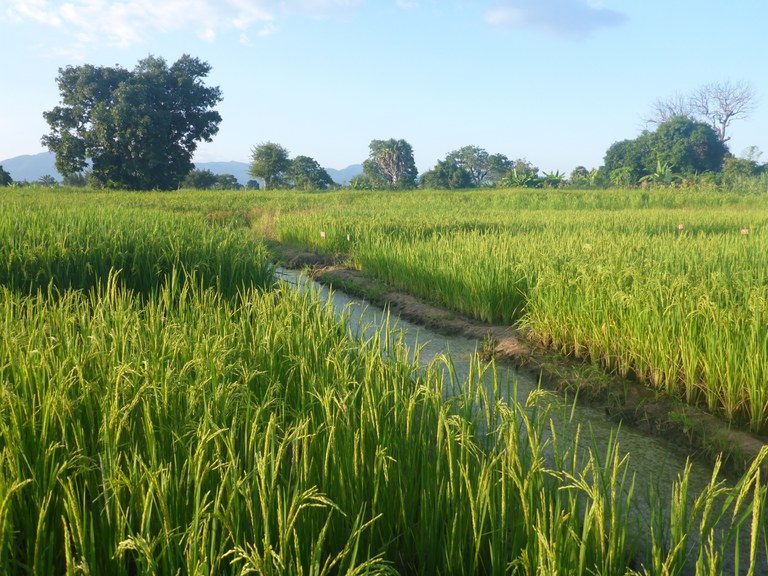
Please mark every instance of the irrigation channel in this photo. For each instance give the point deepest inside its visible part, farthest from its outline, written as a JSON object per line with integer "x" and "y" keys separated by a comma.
{"x": 655, "y": 462}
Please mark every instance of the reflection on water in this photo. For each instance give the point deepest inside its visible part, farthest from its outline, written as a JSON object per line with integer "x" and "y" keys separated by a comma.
{"x": 655, "y": 462}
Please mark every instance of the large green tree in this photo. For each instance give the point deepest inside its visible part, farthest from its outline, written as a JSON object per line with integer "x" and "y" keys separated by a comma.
{"x": 269, "y": 161}
{"x": 227, "y": 182}
{"x": 199, "y": 180}
{"x": 633, "y": 158}
{"x": 680, "y": 144}
{"x": 5, "y": 177}
{"x": 207, "y": 180}
{"x": 473, "y": 159}
{"x": 306, "y": 174}
{"x": 691, "y": 146}
{"x": 447, "y": 175}
{"x": 498, "y": 167}
{"x": 391, "y": 164}
{"x": 481, "y": 166}
{"x": 467, "y": 167}
{"x": 138, "y": 129}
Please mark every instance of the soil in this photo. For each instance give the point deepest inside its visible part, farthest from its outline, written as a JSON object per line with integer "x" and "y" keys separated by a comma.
{"x": 623, "y": 399}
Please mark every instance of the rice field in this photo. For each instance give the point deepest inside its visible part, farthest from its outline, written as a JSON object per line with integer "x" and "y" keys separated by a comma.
{"x": 670, "y": 289}
{"x": 167, "y": 408}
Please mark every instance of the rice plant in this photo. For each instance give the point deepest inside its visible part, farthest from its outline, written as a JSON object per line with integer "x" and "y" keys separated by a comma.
{"x": 196, "y": 423}
{"x": 194, "y": 433}
{"x": 675, "y": 296}
{"x": 77, "y": 248}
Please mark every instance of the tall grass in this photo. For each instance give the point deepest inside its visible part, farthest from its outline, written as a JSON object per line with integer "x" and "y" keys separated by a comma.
{"x": 77, "y": 248}
{"x": 198, "y": 428}
{"x": 196, "y": 434}
{"x": 684, "y": 310}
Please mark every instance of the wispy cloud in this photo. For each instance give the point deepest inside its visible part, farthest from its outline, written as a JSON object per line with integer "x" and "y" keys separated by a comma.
{"x": 317, "y": 7}
{"x": 127, "y": 22}
{"x": 568, "y": 18}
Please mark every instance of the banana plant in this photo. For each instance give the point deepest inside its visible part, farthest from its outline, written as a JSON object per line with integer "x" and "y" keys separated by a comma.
{"x": 663, "y": 176}
{"x": 521, "y": 179}
{"x": 554, "y": 179}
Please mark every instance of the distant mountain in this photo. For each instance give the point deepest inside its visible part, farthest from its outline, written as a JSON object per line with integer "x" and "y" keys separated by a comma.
{"x": 346, "y": 174}
{"x": 31, "y": 167}
{"x": 35, "y": 166}
{"x": 240, "y": 171}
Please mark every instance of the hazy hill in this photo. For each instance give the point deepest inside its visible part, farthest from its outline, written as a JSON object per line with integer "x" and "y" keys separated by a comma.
{"x": 31, "y": 167}
{"x": 240, "y": 171}
{"x": 35, "y": 166}
{"x": 344, "y": 175}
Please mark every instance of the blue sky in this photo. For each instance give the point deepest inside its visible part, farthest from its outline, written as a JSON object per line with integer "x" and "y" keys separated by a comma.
{"x": 552, "y": 81}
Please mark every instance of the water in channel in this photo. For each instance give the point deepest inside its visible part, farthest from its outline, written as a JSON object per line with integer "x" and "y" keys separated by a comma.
{"x": 655, "y": 462}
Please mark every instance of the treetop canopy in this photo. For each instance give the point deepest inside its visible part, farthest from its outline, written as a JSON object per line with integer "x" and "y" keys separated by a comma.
{"x": 138, "y": 128}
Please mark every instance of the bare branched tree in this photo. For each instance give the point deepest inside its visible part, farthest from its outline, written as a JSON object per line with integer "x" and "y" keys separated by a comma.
{"x": 720, "y": 103}
{"x": 717, "y": 103}
{"x": 663, "y": 110}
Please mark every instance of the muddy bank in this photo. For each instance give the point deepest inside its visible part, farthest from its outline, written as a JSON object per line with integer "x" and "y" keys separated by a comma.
{"x": 623, "y": 399}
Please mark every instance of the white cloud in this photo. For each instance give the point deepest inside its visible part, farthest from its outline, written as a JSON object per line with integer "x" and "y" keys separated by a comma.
{"x": 569, "y": 18}
{"x": 243, "y": 13}
{"x": 317, "y": 6}
{"x": 267, "y": 30}
{"x": 127, "y": 22}
{"x": 208, "y": 35}
{"x": 36, "y": 10}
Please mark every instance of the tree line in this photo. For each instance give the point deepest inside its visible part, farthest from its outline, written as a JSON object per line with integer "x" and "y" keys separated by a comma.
{"x": 138, "y": 129}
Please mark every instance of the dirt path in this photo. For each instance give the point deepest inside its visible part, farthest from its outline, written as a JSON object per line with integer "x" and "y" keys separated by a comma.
{"x": 622, "y": 398}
